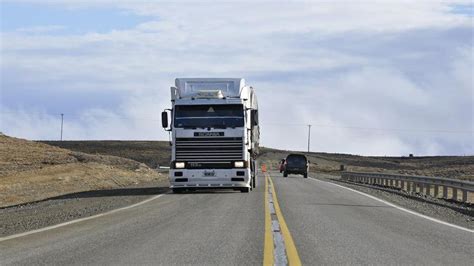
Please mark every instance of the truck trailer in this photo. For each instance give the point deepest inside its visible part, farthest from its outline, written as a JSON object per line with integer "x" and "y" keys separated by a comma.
{"x": 214, "y": 134}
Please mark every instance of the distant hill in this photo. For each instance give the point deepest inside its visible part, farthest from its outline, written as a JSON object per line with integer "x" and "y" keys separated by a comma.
{"x": 459, "y": 167}
{"x": 155, "y": 153}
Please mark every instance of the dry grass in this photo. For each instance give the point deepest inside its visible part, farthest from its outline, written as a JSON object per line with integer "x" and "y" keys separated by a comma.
{"x": 31, "y": 171}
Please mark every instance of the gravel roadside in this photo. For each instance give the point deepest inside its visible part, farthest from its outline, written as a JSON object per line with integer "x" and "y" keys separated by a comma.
{"x": 27, "y": 217}
{"x": 455, "y": 213}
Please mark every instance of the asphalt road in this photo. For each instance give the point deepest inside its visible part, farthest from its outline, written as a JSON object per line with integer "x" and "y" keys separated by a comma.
{"x": 328, "y": 225}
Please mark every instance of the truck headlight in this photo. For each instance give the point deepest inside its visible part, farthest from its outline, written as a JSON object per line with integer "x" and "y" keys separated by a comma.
{"x": 179, "y": 165}
{"x": 239, "y": 164}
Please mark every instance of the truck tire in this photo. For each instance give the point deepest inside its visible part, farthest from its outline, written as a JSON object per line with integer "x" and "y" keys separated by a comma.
{"x": 305, "y": 175}
{"x": 178, "y": 190}
{"x": 285, "y": 174}
{"x": 245, "y": 190}
{"x": 254, "y": 181}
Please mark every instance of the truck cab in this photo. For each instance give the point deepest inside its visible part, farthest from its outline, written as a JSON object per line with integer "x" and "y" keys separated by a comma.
{"x": 214, "y": 134}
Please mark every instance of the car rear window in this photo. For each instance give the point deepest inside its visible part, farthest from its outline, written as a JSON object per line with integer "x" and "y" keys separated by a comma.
{"x": 296, "y": 160}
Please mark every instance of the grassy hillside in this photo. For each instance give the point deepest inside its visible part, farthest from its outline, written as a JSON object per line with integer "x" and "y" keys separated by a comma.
{"x": 459, "y": 167}
{"x": 155, "y": 153}
{"x": 151, "y": 153}
{"x": 31, "y": 171}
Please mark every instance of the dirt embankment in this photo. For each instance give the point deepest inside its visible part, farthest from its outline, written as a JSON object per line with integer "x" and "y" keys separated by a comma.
{"x": 458, "y": 167}
{"x": 32, "y": 171}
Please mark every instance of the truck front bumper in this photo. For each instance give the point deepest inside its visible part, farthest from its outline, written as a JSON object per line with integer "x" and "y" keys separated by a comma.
{"x": 209, "y": 178}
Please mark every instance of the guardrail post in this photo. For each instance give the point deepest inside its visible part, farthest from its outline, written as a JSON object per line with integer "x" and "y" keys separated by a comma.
{"x": 391, "y": 182}
{"x": 455, "y": 194}
{"x": 464, "y": 195}
{"x": 402, "y": 184}
{"x": 445, "y": 192}
{"x": 414, "y": 187}
{"x": 408, "y": 186}
{"x": 427, "y": 189}
{"x": 436, "y": 191}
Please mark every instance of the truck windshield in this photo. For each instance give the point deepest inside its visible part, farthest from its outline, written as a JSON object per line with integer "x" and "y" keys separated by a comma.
{"x": 222, "y": 116}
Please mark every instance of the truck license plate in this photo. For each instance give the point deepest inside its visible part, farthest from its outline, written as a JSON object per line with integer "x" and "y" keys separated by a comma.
{"x": 210, "y": 173}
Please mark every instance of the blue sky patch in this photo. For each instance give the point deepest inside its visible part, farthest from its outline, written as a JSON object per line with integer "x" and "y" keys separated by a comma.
{"x": 15, "y": 16}
{"x": 467, "y": 10}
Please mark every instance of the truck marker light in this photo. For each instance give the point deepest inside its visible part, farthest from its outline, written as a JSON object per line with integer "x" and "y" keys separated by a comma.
{"x": 179, "y": 165}
{"x": 239, "y": 164}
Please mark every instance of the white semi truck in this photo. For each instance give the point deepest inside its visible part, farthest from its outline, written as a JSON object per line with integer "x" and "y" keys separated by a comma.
{"x": 214, "y": 134}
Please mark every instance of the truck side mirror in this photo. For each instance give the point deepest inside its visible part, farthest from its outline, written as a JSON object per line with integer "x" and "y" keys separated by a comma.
{"x": 164, "y": 119}
{"x": 254, "y": 118}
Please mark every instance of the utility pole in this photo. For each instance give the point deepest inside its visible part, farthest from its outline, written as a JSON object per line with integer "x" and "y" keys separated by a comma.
{"x": 309, "y": 136}
{"x": 62, "y": 121}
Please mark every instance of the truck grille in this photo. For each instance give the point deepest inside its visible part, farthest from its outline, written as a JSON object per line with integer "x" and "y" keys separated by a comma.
{"x": 206, "y": 152}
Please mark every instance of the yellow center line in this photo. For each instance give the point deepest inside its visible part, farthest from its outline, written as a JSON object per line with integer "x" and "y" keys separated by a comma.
{"x": 268, "y": 246}
{"x": 291, "y": 251}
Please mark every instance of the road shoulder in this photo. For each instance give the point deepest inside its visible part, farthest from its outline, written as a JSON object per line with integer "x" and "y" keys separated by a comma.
{"x": 33, "y": 216}
{"x": 458, "y": 214}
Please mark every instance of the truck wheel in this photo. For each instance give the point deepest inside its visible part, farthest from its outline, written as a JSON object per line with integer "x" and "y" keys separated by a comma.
{"x": 285, "y": 174}
{"x": 254, "y": 182}
{"x": 305, "y": 175}
{"x": 245, "y": 190}
{"x": 177, "y": 190}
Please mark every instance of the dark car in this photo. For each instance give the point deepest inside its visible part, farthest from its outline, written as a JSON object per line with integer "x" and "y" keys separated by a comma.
{"x": 296, "y": 164}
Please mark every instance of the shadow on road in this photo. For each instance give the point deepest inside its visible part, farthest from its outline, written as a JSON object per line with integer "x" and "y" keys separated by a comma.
{"x": 115, "y": 192}
{"x": 139, "y": 191}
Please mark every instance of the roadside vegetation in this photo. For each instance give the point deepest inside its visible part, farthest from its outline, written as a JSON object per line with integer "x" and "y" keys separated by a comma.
{"x": 32, "y": 171}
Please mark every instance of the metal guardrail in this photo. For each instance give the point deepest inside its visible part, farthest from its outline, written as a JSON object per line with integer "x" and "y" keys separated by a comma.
{"x": 417, "y": 184}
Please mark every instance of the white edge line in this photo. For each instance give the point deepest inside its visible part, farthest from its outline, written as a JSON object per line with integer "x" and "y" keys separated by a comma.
{"x": 78, "y": 220}
{"x": 399, "y": 208}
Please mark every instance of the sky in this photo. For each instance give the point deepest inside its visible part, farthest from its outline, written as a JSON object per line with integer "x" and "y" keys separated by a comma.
{"x": 372, "y": 77}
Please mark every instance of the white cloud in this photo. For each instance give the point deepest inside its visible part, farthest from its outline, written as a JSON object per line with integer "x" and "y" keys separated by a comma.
{"x": 337, "y": 64}
{"x": 41, "y": 29}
